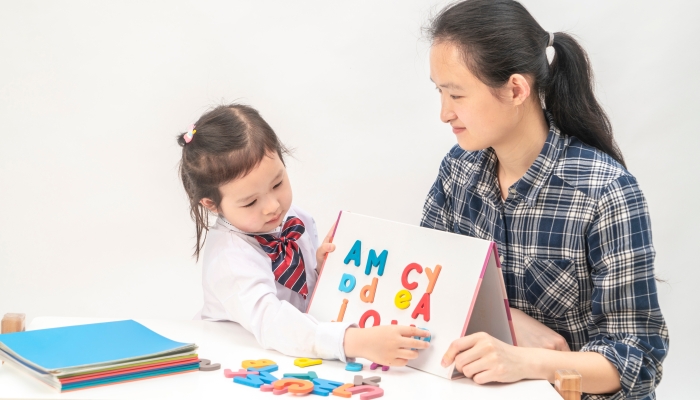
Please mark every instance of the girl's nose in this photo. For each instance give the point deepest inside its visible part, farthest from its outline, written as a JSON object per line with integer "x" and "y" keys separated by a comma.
{"x": 272, "y": 205}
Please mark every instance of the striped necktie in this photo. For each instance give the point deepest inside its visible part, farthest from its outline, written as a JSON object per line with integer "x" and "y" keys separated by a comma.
{"x": 287, "y": 261}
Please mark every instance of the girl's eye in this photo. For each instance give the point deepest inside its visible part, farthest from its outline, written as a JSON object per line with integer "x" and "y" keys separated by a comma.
{"x": 455, "y": 97}
{"x": 277, "y": 185}
{"x": 251, "y": 203}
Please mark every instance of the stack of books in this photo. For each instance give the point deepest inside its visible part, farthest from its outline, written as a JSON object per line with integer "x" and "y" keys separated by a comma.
{"x": 83, "y": 356}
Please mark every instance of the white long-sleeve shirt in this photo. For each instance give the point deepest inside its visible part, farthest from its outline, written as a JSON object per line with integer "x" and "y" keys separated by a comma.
{"x": 239, "y": 286}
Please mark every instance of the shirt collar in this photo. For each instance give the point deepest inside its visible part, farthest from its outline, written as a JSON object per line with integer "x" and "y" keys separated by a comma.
{"x": 529, "y": 186}
{"x": 222, "y": 222}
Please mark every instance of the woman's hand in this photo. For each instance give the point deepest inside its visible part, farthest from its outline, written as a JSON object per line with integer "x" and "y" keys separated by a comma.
{"x": 385, "y": 344}
{"x": 484, "y": 359}
{"x": 530, "y": 332}
{"x": 323, "y": 250}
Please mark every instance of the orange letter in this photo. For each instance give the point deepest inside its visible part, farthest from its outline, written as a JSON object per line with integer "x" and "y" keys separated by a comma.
{"x": 367, "y": 292}
{"x": 432, "y": 277}
{"x": 341, "y": 314}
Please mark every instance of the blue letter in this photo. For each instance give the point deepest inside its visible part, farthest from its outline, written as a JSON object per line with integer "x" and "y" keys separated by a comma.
{"x": 347, "y": 283}
{"x": 374, "y": 261}
{"x": 355, "y": 253}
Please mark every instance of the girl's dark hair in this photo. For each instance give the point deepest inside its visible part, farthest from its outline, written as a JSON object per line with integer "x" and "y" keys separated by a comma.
{"x": 499, "y": 38}
{"x": 229, "y": 142}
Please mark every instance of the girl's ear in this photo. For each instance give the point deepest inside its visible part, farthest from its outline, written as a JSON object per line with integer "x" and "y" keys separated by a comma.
{"x": 518, "y": 89}
{"x": 209, "y": 204}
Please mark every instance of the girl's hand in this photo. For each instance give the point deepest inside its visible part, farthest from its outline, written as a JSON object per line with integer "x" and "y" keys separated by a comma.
{"x": 385, "y": 344}
{"x": 484, "y": 359}
{"x": 323, "y": 250}
{"x": 530, "y": 332}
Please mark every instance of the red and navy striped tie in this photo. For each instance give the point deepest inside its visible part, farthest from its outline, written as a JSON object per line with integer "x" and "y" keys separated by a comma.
{"x": 287, "y": 260}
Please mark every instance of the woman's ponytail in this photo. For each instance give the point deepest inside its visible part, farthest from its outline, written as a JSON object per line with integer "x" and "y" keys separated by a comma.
{"x": 499, "y": 38}
{"x": 568, "y": 95}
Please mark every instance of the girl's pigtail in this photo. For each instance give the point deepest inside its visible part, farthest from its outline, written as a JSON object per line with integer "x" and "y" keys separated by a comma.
{"x": 569, "y": 97}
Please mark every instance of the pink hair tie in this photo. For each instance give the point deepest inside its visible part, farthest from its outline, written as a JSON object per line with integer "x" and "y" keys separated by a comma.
{"x": 190, "y": 133}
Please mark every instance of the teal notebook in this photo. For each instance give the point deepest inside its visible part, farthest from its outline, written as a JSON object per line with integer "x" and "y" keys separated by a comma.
{"x": 59, "y": 350}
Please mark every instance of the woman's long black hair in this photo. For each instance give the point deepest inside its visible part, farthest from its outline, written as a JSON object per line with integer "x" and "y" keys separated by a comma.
{"x": 499, "y": 38}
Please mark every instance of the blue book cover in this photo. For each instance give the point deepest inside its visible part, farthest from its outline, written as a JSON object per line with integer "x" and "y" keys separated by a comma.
{"x": 70, "y": 347}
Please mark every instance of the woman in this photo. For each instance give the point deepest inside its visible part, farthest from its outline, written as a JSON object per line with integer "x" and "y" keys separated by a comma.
{"x": 550, "y": 187}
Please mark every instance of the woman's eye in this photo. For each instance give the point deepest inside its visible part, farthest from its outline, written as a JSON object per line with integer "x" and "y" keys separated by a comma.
{"x": 251, "y": 203}
{"x": 277, "y": 185}
{"x": 455, "y": 97}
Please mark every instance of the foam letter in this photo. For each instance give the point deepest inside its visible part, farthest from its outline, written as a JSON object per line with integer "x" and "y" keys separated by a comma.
{"x": 367, "y": 292}
{"x": 347, "y": 283}
{"x": 423, "y": 307}
{"x": 341, "y": 313}
{"x": 354, "y": 254}
{"x": 374, "y": 261}
{"x": 404, "y": 277}
{"x": 367, "y": 314}
{"x": 432, "y": 277}
{"x": 403, "y": 299}
{"x": 324, "y": 387}
{"x": 296, "y": 386}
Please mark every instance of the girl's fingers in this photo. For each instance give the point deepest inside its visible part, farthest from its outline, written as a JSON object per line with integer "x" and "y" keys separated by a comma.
{"x": 410, "y": 331}
{"x": 410, "y": 343}
{"x": 407, "y": 354}
{"x": 399, "y": 362}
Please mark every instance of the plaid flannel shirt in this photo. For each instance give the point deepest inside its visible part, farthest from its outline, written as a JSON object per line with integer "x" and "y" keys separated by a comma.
{"x": 574, "y": 238}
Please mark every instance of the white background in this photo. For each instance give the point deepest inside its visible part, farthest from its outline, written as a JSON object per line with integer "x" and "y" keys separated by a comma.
{"x": 93, "y": 219}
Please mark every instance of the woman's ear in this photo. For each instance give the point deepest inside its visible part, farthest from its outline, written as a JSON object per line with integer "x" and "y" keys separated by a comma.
{"x": 209, "y": 204}
{"x": 518, "y": 89}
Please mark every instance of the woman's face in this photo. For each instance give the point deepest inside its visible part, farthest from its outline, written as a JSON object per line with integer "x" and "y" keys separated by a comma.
{"x": 479, "y": 118}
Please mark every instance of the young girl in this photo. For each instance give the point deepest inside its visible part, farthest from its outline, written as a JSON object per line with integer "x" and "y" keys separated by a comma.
{"x": 259, "y": 264}
{"x": 551, "y": 189}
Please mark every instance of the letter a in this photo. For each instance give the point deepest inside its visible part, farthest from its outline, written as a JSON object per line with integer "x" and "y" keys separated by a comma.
{"x": 354, "y": 254}
{"x": 423, "y": 307}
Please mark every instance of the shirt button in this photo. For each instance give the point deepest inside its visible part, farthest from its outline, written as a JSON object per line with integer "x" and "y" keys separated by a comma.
{"x": 501, "y": 258}
{"x": 512, "y": 190}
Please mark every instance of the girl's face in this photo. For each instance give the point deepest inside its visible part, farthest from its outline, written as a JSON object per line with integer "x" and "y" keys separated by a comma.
{"x": 258, "y": 201}
{"x": 479, "y": 118}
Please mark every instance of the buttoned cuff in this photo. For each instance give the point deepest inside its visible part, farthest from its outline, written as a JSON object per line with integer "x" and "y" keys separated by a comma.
{"x": 629, "y": 361}
{"x": 330, "y": 337}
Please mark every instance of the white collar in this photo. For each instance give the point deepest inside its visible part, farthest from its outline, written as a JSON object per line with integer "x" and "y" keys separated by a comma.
{"x": 221, "y": 221}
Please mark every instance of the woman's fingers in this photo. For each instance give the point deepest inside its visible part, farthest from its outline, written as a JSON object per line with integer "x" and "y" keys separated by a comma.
{"x": 471, "y": 368}
{"x": 458, "y": 346}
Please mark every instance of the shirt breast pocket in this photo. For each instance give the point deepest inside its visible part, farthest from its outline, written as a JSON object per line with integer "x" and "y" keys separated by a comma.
{"x": 551, "y": 285}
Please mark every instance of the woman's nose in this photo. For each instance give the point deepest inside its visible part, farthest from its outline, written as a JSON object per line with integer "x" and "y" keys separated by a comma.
{"x": 446, "y": 112}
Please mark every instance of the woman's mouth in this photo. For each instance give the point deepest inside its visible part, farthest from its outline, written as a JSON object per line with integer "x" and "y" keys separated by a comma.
{"x": 457, "y": 130}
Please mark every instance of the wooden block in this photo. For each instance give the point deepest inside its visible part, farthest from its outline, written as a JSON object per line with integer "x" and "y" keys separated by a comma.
{"x": 567, "y": 382}
{"x": 13, "y": 322}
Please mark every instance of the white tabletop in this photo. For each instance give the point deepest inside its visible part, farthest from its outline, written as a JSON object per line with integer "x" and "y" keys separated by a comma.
{"x": 229, "y": 344}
